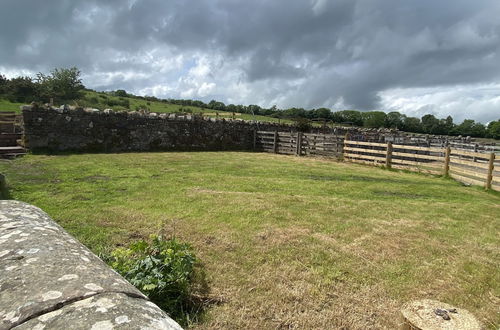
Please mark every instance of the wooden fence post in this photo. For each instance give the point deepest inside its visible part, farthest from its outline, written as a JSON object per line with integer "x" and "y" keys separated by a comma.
{"x": 346, "y": 138}
{"x": 275, "y": 142}
{"x": 388, "y": 155}
{"x": 447, "y": 161}
{"x": 490, "y": 170}
{"x": 299, "y": 144}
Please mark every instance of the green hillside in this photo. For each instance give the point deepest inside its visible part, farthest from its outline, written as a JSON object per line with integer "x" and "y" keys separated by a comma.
{"x": 104, "y": 100}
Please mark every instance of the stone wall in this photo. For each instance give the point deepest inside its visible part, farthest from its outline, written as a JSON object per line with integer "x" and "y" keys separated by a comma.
{"x": 47, "y": 129}
{"x": 51, "y": 281}
{"x": 90, "y": 130}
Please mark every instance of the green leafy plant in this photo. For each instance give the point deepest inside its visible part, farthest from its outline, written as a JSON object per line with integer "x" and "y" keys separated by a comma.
{"x": 163, "y": 269}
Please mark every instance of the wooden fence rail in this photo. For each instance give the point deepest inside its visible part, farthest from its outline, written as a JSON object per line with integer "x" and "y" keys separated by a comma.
{"x": 466, "y": 166}
{"x": 301, "y": 144}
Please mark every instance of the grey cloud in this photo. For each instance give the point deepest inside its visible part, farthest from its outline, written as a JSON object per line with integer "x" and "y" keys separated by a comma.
{"x": 294, "y": 52}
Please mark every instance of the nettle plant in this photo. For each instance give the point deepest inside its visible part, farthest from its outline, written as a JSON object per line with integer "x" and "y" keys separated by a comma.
{"x": 163, "y": 269}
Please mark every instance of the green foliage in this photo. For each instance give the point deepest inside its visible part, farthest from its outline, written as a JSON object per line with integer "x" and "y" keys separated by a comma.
{"x": 303, "y": 124}
{"x": 122, "y": 102}
{"x": 63, "y": 85}
{"x": 494, "y": 129}
{"x": 470, "y": 128}
{"x": 394, "y": 120}
{"x": 92, "y": 100}
{"x": 162, "y": 269}
{"x": 20, "y": 89}
{"x": 412, "y": 124}
{"x": 3, "y": 83}
{"x": 351, "y": 117}
{"x": 121, "y": 92}
{"x": 374, "y": 119}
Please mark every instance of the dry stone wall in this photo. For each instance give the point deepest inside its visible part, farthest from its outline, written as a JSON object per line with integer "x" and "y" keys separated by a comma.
{"x": 48, "y": 129}
{"x": 90, "y": 130}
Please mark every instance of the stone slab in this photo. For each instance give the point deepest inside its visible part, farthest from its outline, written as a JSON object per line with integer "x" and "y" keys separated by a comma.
{"x": 104, "y": 311}
{"x": 420, "y": 315}
{"x": 43, "y": 268}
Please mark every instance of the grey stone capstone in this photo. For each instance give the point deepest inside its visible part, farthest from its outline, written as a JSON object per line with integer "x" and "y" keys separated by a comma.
{"x": 51, "y": 281}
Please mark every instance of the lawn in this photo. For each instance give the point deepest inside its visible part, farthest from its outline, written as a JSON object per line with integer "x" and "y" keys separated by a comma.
{"x": 285, "y": 241}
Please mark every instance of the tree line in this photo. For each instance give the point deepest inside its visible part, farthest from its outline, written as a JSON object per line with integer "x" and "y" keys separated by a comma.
{"x": 64, "y": 85}
{"x": 427, "y": 124}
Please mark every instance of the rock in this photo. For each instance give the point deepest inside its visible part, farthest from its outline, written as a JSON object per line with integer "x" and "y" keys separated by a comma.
{"x": 430, "y": 314}
{"x": 50, "y": 279}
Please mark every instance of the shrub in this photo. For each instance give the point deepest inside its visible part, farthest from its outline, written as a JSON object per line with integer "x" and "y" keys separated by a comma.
{"x": 302, "y": 124}
{"x": 92, "y": 100}
{"x": 118, "y": 102}
{"x": 164, "y": 270}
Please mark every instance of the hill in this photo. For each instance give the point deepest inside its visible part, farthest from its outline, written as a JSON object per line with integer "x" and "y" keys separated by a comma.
{"x": 107, "y": 100}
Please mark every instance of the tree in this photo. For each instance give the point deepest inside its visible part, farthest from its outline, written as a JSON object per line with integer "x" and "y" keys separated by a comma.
{"x": 493, "y": 130}
{"x": 412, "y": 124}
{"x": 470, "y": 128}
{"x": 348, "y": 117}
{"x": 3, "y": 83}
{"x": 373, "y": 119}
{"x": 21, "y": 89}
{"x": 430, "y": 124}
{"x": 294, "y": 113}
{"x": 449, "y": 125}
{"x": 213, "y": 104}
{"x": 62, "y": 85}
{"x": 394, "y": 120}
{"x": 323, "y": 113}
{"x": 121, "y": 93}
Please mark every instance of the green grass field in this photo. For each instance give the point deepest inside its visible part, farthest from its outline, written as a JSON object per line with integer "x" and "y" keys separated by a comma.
{"x": 6, "y": 105}
{"x": 285, "y": 241}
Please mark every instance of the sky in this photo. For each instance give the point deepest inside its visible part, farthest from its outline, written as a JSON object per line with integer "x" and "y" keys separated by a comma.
{"x": 416, "y": 57}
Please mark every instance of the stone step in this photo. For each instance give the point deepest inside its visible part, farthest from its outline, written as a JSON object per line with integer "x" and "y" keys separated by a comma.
{"x": 12, "y": 150}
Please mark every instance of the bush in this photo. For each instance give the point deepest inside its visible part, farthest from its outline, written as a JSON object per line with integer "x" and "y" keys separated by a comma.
{"x": 164, "y": 270}
{"x": 93, "y": 100}
{"x": 121, "y": 102}
{"x": 302, "y": 124}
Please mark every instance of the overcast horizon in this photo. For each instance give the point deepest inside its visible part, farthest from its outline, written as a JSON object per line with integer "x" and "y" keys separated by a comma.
{"x": 418, "y": 57}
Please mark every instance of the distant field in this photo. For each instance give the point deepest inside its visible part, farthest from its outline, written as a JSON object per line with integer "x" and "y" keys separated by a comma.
{"x": 9, "y": 106}
{"x": 91, "y": 97}
{"x": 285, "y": 241}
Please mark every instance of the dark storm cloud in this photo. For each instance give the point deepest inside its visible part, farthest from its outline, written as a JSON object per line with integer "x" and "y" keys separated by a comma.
{"x": 292, "y": 52}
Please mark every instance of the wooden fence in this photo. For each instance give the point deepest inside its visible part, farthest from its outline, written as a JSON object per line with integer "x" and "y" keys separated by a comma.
{"x": 10, "y": 128}
{"x": 469, "y": 167}
{"x": 301, "y": 144}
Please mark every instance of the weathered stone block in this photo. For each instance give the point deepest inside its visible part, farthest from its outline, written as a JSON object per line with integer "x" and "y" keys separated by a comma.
{"x": 49, "y": 279}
